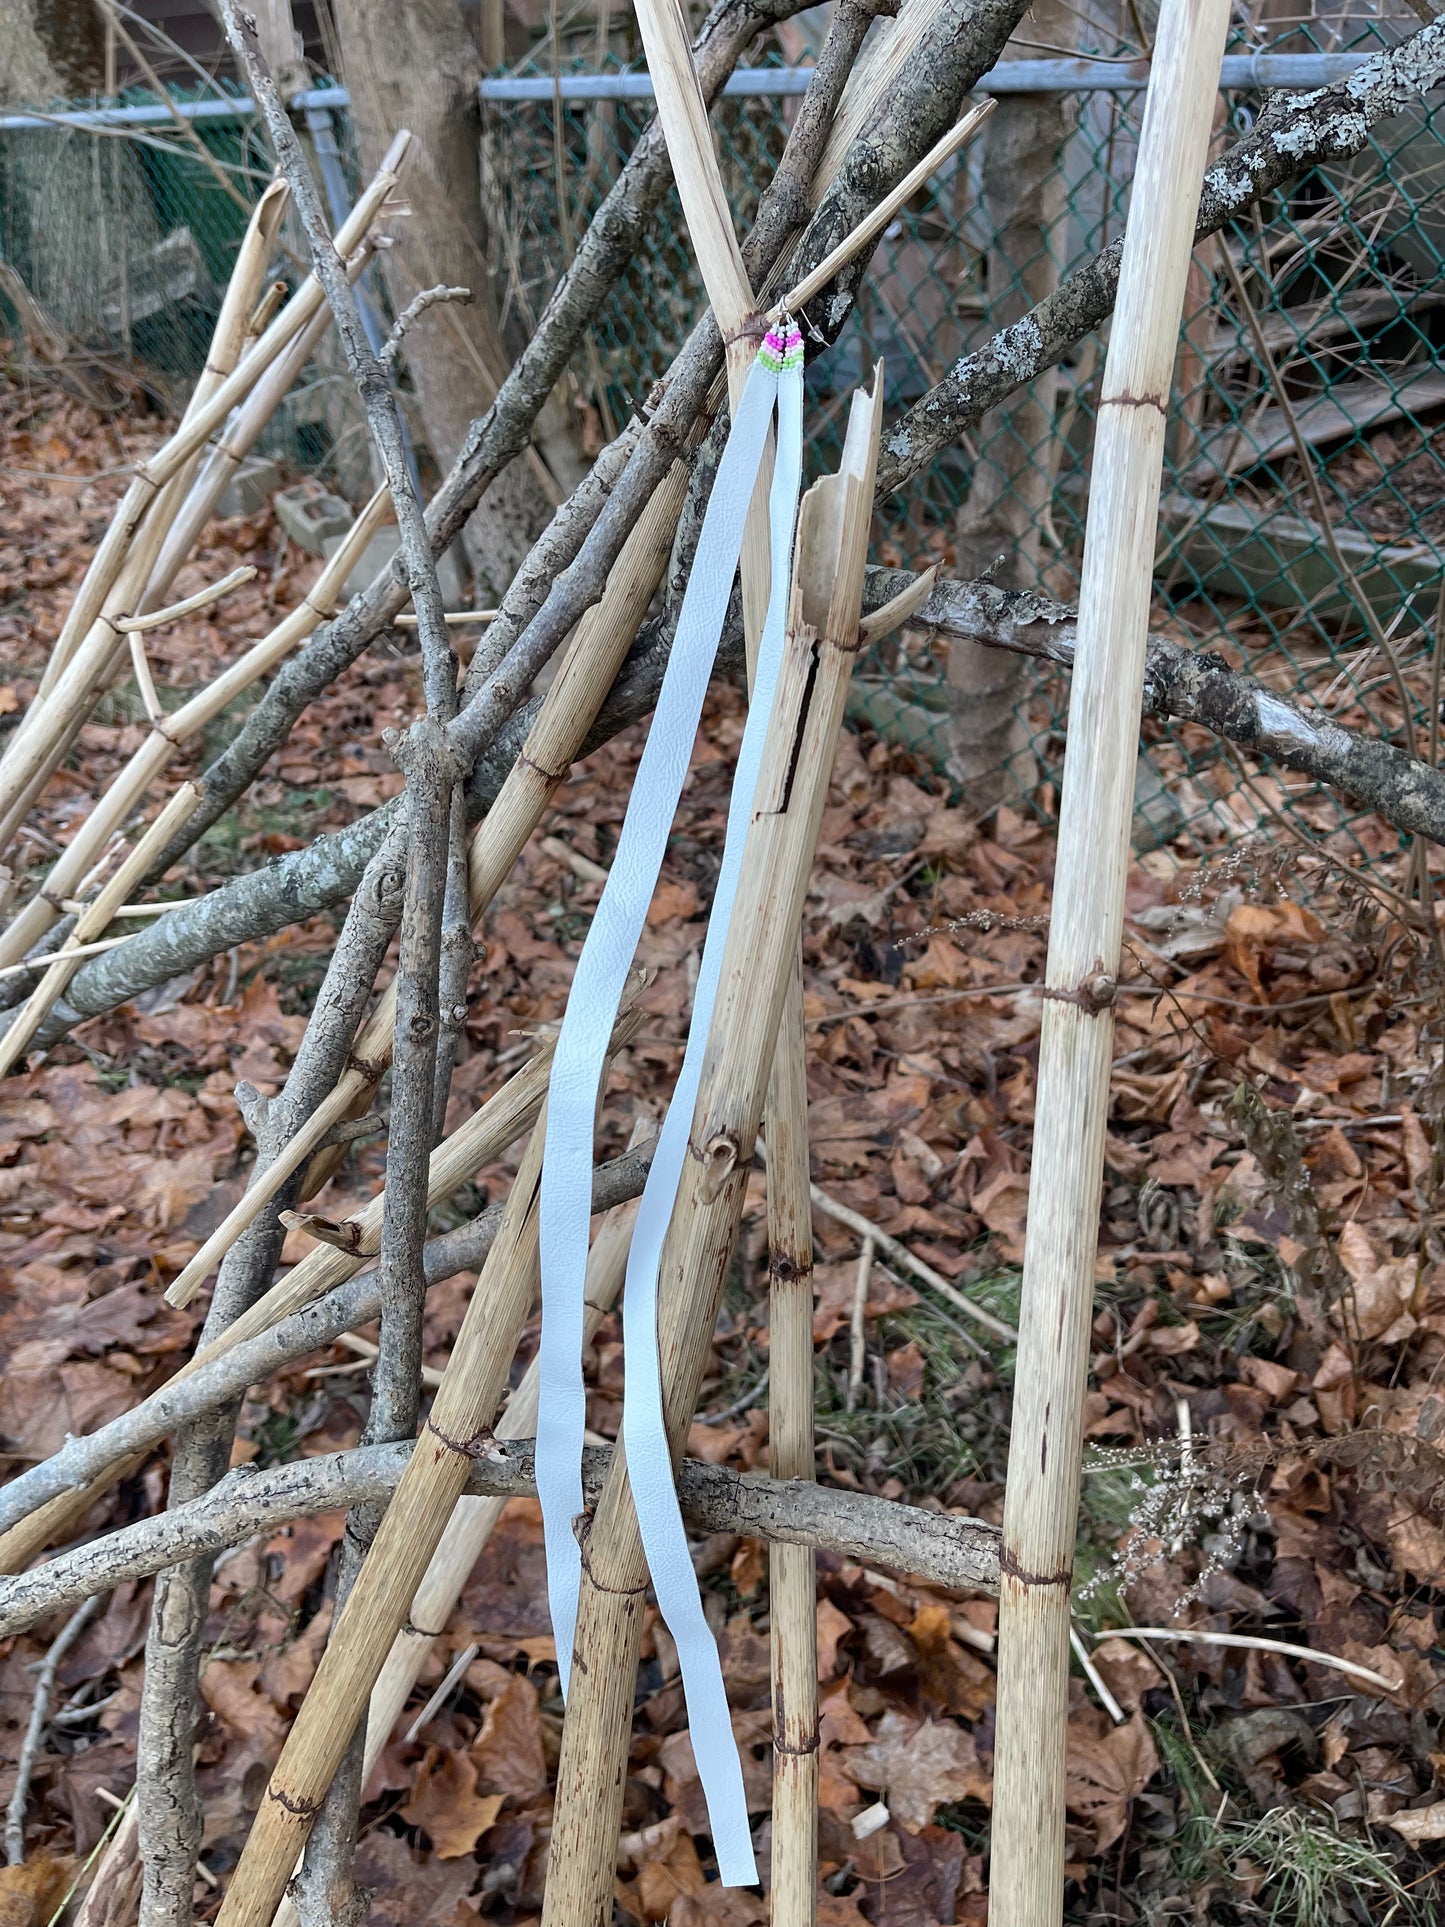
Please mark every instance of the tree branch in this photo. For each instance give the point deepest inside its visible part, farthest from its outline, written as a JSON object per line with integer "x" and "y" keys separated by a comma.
{"x": 1197, "y": 686}
{"x": 81, "y": 1461}
{"x": 1295, "y": 132}
{"x": 941, "y": 1549}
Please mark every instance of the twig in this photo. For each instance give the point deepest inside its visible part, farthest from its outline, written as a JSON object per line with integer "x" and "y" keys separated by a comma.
{"x": 939, "y": 1548}
{"x": 202, "y": 599}
{"x": 1250, "y": 1641}
{"x": 868, "y": 229}
{"x": 78, "y": 950}
{"x": 35, "y": 1730}
{"x": 899, "y": 1254}
{"x": 1085, "y": 934}
{"x": 1095, "y": 1678}
{"x": 413, "y": 312}
{"x": 857, "y": 1332}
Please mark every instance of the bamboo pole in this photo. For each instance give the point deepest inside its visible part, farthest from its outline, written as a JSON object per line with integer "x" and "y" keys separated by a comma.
{"x": 164, "y": 539}
{"x": 1076, "y": 1043}
{"x": 125, "y": 794}
{"x": 410, "y": 1532}
{"x": 756, "y": 974}
{"x": 792, "y": 1570}
{"x": 228, "y": 340}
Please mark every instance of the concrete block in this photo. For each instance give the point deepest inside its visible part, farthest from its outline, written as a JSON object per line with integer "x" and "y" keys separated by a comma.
{"x": 379, "y": 551}
{"x": 310, "y": 515}
{"x": 251, "y": 487}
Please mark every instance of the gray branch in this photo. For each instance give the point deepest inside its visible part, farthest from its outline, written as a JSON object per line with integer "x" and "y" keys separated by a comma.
{"x": 1295, "y": 132}
{"x": 957, "y": 1553}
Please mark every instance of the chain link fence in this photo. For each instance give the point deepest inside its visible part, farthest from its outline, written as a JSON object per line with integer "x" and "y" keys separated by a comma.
{"x": 1303, "y": 515}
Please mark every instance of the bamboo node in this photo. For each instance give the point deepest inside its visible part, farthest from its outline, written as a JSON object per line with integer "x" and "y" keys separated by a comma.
{"x": 799, "y": 1749}
{"x": 551, "y": 776}
{"x": 753, "y": 327}
{"x": 1009, "y": 1568}
{"x": 476, "y": 1447}
{"x": 371, "y": 1067}
{"x": 1097, "y": 992}
{"x": 1125, "y": 400}
{"x": 300, "y": 1808}
{"x": 638, "y": 1593}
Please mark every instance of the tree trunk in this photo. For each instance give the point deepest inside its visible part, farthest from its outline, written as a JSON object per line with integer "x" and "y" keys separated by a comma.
{"x": 48, "y": 52}
{"x": 1008, "y": 502}
{"x": 454, "y": 352}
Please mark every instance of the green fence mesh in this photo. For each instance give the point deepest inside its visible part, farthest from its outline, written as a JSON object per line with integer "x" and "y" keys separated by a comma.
{"x": 1303, "y": 514}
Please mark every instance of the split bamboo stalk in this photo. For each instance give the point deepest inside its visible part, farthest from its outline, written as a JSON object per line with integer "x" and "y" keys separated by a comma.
{"x": 1076, "y": 1043}
{"x": 589, "y": 667}
{"x": 181, "y": 727}
{"x": 756, "y": 973}
{"x": 499, "y": 1122}
{"x": 93, "y": 921}
{"x": 86, "y": 643}
{"x": 410, "y": 1531}
{"x": 475, "y": 1518}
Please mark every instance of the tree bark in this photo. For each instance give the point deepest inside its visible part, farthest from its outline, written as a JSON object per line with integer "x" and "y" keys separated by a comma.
{"x": 454, "y": 352}
{"x": 1025, "y": 193}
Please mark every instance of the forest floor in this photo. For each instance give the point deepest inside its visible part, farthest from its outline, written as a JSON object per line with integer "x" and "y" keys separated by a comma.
{"x": 1266, "y": 1405}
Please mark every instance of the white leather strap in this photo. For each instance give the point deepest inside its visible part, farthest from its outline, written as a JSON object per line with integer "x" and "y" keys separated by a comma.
{"x": 572, "y": 1097}
{"x": 644, "y": 1425}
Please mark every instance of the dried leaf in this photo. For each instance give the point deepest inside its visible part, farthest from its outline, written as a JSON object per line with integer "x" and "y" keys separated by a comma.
{"x": 446, "y": 1804}
{"x": 919, "y": 1767}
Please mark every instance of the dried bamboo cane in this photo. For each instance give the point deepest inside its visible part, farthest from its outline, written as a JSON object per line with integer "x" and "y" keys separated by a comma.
{"x": 756, "y": 973}
{"x": 228, "y": 340}
{"x": 410, "y": 1532}
{"x": 241, "y": 433}
{"x": 321, "y": 601}
{"x": 93, "y": 920}
{"x": 1041, "y": 1501}
{"x": 161, "y": 545}
{"x": 792, "y": 1570}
